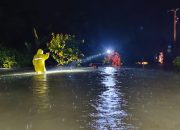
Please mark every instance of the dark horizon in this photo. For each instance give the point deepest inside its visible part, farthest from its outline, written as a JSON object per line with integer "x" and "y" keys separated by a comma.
{"x": 136, "y": 29}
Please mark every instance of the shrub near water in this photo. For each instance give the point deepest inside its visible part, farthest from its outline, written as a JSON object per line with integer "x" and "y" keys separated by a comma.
{"x": 176, "y": 61}
{"x": 7, "y": 59}
{"x": 11, "y": 58}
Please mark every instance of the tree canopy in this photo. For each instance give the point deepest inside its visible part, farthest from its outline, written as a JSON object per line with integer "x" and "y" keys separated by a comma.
{"x": 64, "y": 48}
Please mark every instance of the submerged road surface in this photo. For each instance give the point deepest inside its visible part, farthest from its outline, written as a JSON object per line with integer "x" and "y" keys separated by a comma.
{"x": 93, "y": 99}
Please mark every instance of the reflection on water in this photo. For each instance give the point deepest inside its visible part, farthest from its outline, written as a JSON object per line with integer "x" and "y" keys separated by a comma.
{"x": 110, "y": 113}
{"x": 40, "y": 90}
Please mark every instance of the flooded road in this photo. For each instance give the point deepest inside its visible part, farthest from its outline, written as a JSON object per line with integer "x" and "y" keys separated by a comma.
{"x": 97, "y": 99}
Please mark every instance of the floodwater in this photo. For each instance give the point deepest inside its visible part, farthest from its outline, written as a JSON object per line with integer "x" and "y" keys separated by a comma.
{"x": 97, "y": 99}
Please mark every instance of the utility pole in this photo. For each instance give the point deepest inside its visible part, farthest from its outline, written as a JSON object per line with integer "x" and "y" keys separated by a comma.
{"x": 175, "y": 22}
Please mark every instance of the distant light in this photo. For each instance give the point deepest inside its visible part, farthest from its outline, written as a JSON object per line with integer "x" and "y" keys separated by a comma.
{"x": 142, "y": 63}
{"x": 161, "y": 58}
{"x": 145, "y": 63}
{"x": 108, "y": 51}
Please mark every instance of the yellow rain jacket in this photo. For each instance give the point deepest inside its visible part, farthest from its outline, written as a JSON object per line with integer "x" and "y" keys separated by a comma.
{"x": 39, "y": 61}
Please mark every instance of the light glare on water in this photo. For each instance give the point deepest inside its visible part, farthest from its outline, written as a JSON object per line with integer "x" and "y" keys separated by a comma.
{"x": 54, "y": 71}
{"x": 109, "y": 106}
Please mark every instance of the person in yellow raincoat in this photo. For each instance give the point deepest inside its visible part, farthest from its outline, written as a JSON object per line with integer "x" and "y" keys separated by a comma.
{"x": 39, "y": 61}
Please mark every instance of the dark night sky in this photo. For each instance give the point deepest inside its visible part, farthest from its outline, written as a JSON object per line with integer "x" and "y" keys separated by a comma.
{"x": 133, "y": 27}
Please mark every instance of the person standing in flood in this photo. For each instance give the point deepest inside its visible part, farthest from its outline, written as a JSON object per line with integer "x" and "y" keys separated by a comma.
{"x": 39, "y": 61}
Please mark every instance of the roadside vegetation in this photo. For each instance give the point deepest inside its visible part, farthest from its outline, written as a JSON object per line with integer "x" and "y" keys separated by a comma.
{"x": 176, "y": 61}
{"x": 64, "y": 49}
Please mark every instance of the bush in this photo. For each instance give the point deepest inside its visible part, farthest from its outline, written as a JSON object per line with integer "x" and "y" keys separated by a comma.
{"x": 176, "y": 61}
{"x": 7, "y": 59}
{"x": 11, "y": 58}
{"x": 64, "y": 48}
{"x": 9, "y": 62}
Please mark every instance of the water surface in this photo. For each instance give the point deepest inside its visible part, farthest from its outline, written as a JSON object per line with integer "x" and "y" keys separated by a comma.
{"x": 93, "y": 99}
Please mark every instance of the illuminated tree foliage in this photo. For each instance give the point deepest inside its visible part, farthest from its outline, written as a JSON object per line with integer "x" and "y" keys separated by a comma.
{"x": 64, "y": 48}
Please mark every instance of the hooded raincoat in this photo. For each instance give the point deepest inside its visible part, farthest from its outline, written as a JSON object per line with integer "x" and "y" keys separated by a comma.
{"x": 39, "y": 61}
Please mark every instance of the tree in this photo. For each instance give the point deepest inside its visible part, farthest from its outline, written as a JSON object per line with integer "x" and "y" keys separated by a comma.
{"x": 64, "y": 48}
